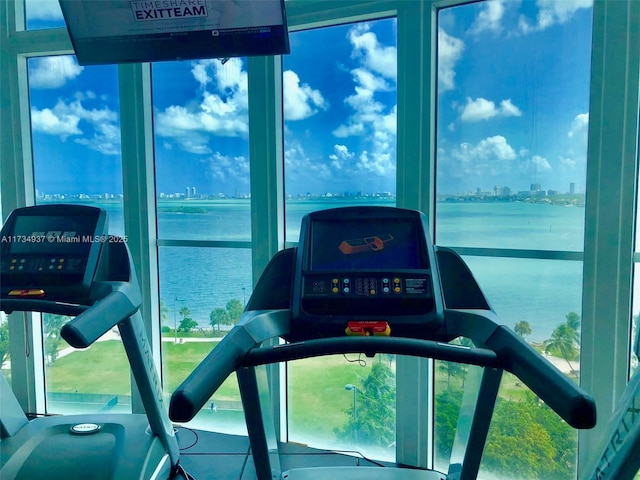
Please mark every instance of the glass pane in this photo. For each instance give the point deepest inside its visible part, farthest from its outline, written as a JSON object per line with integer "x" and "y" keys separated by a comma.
{"x": 340, "y": 150}
{"x": 95, "y": 379}
{"x": 340, "y": 118}
{"x": 42, "y": 14}
{"x": 539, "y": 300}
{"x": 344, "y": 403}
{"x": 518, "y": 225}
{"x": 77, "y": 159}
{"x": 202, "y": 295}
{"x": 201, "y": 127}
{"x": 512, "y": 128}
{"x": 5, "y": 358}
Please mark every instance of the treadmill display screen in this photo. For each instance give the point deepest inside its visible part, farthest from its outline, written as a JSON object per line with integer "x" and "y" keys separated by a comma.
{"x": 54, "y": 248}
{"x": 365, "y": 245}
{"x": 52, "y": 235}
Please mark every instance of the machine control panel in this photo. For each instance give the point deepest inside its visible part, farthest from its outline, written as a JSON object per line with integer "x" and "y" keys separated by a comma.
{"x": 51, "y": 251}
{"x": 368, "y": 264}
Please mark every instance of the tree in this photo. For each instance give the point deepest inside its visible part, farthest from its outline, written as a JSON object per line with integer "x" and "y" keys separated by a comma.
{"x": 164, "y": 312}
{"x": 375, "y": 412}
{"x": 185, "y": 312}
{"x": 234, "y": 310}
{"x": 565, "y": 340}
{"x": 528, "y": 440}
{"x": 217, "y": 317}
{"x": 447, "y": 410}
{"x": 4, "y": 342}
{"x": 522, "y": 328}
{"x": 52, "y": 339}
{"x": 187, "y": 324}
{"x": 452, "y": 369}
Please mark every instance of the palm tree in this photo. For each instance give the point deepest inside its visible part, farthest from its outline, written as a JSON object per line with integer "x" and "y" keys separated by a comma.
{"x": 566, "y": 339}
{"x": 522, "y": 328}
{"x": 217, "y": 317}
{"x": 185, "y": 312}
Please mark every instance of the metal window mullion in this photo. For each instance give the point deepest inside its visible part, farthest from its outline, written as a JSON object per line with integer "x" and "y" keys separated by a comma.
{"x": 266, "y": 157}
{"x": 17, "y": 187}
{"x": 138, "y": 185}
{"x": 415, "y": 189}
{"x": 610, "y": 203}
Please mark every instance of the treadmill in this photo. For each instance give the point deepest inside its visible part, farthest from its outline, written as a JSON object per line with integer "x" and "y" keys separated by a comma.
{"x": 60, "y": 259}
{"x": 368, "y": 280}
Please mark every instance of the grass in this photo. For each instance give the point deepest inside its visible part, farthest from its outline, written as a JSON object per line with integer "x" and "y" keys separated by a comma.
{"x": 318, "y": 400}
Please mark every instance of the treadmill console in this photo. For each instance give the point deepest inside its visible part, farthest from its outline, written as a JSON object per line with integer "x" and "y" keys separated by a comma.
{"x": 365, "y": 271}
{"x": 51, "y": 252}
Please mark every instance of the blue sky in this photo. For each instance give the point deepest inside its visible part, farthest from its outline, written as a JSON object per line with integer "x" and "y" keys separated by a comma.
{"x": 512, "y": 108}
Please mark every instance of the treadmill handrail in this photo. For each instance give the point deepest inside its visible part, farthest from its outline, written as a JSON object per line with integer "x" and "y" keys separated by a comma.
{"x": 501, "y": 349}
{"x": 558, "y": 391}
{"x": 253, "y": 328}
{"x": 481, "y": 357}
{"x": 98, "y": 319}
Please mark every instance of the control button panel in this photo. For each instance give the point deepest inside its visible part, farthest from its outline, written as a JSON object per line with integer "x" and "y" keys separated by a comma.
{"x": 367, "y": 286}
{"x": 30, "y": 264}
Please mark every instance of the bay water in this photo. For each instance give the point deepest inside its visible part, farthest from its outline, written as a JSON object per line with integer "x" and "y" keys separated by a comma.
{"x": 540, "y": 292}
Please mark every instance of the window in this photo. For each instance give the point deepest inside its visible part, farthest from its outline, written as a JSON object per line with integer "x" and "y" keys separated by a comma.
{"x": 76, "y": 158}
{"x": 203, "y": 217}
{"x": 340, "y": 150}
{"x": 42, "y": 14}
{"x": 510, "y": 182}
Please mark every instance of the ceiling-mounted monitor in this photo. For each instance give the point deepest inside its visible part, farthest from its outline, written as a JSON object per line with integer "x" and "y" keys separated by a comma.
{"x": 127, "y": 31}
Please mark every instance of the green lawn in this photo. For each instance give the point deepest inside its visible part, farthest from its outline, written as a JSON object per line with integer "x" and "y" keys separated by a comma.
{"x": 318, "y": 400}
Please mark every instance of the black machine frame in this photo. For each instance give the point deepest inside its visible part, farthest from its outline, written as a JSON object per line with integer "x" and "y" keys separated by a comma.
{"x": 461, "y": 311}
{"x": 106, "y": 294}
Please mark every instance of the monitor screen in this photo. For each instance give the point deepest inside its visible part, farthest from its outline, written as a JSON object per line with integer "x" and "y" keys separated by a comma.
{"x": 125, "y": 31}
{"x": 390, "y": 244}
{"x": 53, "y": 235}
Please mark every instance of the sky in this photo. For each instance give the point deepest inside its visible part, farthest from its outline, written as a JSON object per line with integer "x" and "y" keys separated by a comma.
{"x": 512, "y": 108}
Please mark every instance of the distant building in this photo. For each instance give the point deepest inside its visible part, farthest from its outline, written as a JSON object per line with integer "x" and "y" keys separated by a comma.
{"x": 536, "y": 187}
{"x": 188, "y": 192}
{"x": 572, "y": 188}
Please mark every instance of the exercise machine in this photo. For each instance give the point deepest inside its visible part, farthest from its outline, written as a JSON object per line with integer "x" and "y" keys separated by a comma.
{"x": 620, "y": 457}
{"x": 368, "y": 280}
{"x": 60, "y": 259}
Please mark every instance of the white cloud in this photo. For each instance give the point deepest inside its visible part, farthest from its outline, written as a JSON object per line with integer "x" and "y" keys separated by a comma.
{"x": 300, "y": 100}
{"x": 483, "y": 109}
{"x": 372, "y": 120}
{"x": 491, "y": 156}
{"x": 48, "y": 122}
{"x": 222, "y": 109}
{"x": 304, "y": 170}
{"x": 551, "y": 12}
{"x": 199, "y": 72}
{"x": 224, "y": 168}
{"x": 579, "y": 126}
{"x": 508, "y": 109}
{"x": 449, "y": 52}
{"x": 101, "y": 132}
{"x": 568, "y": 162}
{"x": 375, "y": 56}
{"x": 340, "y": 156}
{"x": 540, "y": 164}
{"x": 489, "y": 18}
{"x": 53, "y": 72}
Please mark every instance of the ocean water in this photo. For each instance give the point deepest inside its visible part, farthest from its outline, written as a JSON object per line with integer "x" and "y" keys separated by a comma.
{"x": 541, "y": 292}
